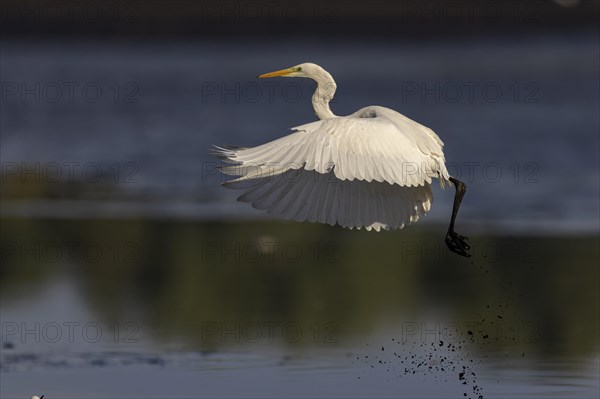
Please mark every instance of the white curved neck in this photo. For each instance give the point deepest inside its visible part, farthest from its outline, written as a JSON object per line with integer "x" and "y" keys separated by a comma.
{"x": 323, "y": 95}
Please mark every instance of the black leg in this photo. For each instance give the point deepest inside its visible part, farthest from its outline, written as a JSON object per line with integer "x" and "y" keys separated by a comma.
{"x": 457, "y": 243}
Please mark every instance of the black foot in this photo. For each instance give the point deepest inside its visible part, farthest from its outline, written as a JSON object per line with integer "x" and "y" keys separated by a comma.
{"x": 458, "y": 244}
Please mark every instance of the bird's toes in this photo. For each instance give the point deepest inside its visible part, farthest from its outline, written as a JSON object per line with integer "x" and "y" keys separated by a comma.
{"x": 467, "y": 251}
{"x": 464, "y": 244}
{"x": 457, "y": 244}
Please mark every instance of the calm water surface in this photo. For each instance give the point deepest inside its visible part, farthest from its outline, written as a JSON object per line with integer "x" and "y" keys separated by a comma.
{"x": 147, "y": 280}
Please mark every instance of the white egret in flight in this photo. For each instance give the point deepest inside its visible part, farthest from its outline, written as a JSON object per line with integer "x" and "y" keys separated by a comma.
{"x": 370, "y": 169}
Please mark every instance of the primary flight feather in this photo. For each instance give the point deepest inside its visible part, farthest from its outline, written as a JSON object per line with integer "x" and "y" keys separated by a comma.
{"x": 372, "y": 169}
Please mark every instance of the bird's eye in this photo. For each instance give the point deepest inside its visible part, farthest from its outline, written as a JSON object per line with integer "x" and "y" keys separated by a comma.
{"x": 298, "y": 69}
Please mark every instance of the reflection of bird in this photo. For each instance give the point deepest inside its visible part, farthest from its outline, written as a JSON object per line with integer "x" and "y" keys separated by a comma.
{"x": 371, "y": 169}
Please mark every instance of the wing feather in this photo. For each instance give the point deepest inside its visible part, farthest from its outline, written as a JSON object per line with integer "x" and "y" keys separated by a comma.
{"x": 305, "y": 195}
{"x": 334, "y": 207}
{"x": 374, "y": 144}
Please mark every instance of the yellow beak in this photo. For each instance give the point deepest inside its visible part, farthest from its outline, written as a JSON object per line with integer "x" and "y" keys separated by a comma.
{"x": 281, "y": 72}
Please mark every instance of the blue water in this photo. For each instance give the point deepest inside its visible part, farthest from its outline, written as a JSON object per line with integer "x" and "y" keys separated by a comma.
{"x": 519, "y": 118}
{"x": 106, "y": 144}
{"x": 96, "y": 363}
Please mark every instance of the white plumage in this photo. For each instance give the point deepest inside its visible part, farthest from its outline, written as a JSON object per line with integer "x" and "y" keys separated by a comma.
{"x": 372, "y": 169}
{"x": 307, "y": 195}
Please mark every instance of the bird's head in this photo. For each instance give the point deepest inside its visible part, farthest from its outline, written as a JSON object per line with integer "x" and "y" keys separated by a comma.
{"x": 325, "y": 85}
{"x": 305, "y": 70}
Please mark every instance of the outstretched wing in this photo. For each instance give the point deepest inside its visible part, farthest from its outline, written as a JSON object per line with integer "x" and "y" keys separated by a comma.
{"x": 307, "y": 195}
{"x": 372, "y": 169}
{"x": 375, "y": 144}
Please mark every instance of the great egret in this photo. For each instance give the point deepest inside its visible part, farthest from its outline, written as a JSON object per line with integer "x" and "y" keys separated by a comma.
{"x": 370, "y": 169}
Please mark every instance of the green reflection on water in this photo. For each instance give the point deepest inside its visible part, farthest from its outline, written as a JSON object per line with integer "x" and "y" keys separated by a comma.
{"x": 183, "y": 280}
